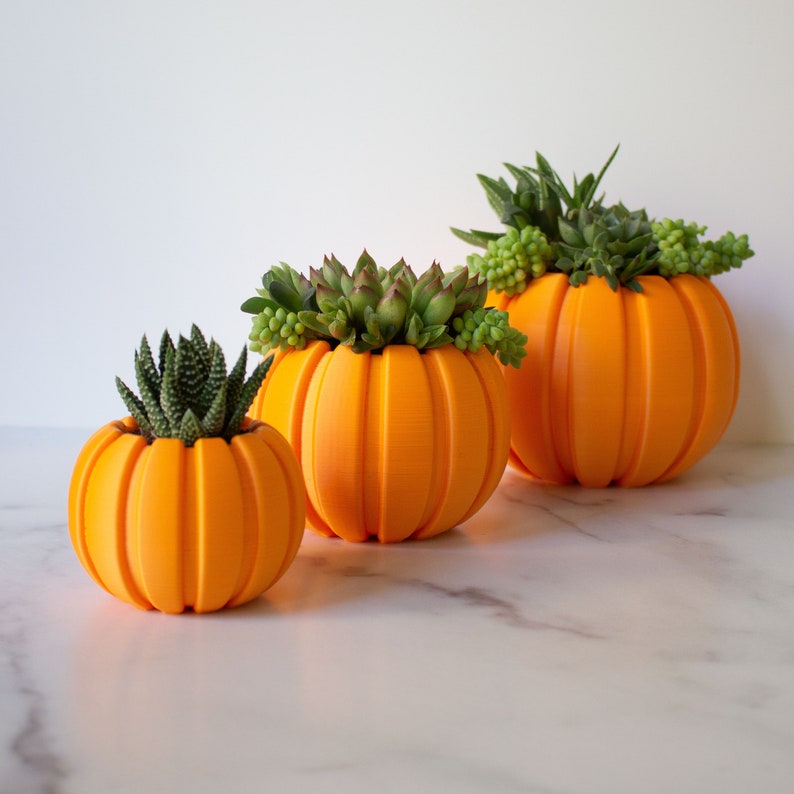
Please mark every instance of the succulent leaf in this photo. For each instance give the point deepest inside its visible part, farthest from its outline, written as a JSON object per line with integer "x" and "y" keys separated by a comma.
{"x": 136, "y": 408}
{"x": 148, "y": 368}
{"x": 150, "y": 396}
{"x": 190, "y": 429}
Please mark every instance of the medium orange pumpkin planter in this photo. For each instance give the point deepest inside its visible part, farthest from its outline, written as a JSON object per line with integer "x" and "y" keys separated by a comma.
{"x": 395, "y": 444}
{"x": 387, "y": 389}
{"x": 189, "y": 504}
{"x": 619, "y": 386}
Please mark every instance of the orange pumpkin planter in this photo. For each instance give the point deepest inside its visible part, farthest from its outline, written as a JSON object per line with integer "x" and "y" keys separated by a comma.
{"x": 632, "y": 367}
{"x": 187, "y": 503}
{"x": 394, "y": 444}
{"x": 169, "y": 527}
{"x": 386, "y": 387}
{"x": 619, "y": 386}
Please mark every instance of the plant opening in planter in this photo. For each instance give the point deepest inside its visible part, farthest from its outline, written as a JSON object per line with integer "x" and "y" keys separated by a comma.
{"x": 634, "y": 376}
{"x": 187, "y": 503}
{"x": 386, "y": 386}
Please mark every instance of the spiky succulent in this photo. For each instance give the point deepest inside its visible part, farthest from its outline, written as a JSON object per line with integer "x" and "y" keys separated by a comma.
{"x": 372, "y": 307}
{"x": 552, "y": 228}
{"x": 187, "y": 394}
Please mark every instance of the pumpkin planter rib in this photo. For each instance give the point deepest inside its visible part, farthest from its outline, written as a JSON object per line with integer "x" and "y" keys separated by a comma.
{"x": 171, "y": 527}
{"x": 393, "y": 444}
{"x": 619, "y": 387}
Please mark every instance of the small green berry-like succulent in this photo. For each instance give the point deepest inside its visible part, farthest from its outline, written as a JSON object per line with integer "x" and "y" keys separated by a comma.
{"x": 553, "y": 229}
{"x": 372, "y": 307}
{"x": 187, "y": 394}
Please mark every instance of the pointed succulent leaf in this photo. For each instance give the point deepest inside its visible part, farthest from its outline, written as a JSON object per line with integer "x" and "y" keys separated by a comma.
{"x": 362, "y": 298}
{"x": 475, "y": 237}
{"x": 633, "y": 285}
{"x": 246, "y": 397}
{"x": 577, "y": 278}
{"x": 314, "y": 322}
{"x": 332, "y": 273}
{"x": 190, "y": 429}
{"x": 216, "y": 379}
{"x": 497, "y": 192}
{"x": 189, "y": 380}
{"x": 286, "y": 295}
{"x": 327, "y": 298}
{"x": 151, "y": 400}
{"x": 457, "y": 280}
{"x": 148, "y": 369}
{"x": 588, "y": 197}
{"x": 365, "y": 263}
{"x": 201, "y": 349}
{"x": 599, "y": 239}
{"x": 172, "y": 400}
{"x": 256, "y": 305}
{"x": 392, "y": 308}
{"x": 440, "y": 307}
{"x": 166, "y": 344}
{"x": 412, "y": 328}
{"x": 436, "y": 336}
{"x": 372, "y": 322}
{"x": 368, "y": 278}
{"x": 214, "y": 419}
{"x": 570, "y": 234}
{"x": 525, "y": 181}
{"x": 339, "y": 327}
{"x": 136, "y": 408}
{"x": 346, "y": 283}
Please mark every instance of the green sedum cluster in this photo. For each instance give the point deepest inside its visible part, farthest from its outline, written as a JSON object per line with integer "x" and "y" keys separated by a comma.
{"x": 681, "y": 251}
{"x": 372, "y": 307}
{"x": 187, "y": 394}
{"x": 553, "y": 229}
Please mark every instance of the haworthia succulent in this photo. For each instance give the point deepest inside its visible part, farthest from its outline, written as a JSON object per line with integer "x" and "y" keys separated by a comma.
{"x": 187, "y": 394}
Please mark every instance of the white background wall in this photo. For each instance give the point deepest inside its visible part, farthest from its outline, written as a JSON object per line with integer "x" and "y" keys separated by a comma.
{"x": 157, "y": 157}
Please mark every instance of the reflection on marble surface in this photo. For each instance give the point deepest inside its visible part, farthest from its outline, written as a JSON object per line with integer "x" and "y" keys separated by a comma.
{"x": 561, "y": 641}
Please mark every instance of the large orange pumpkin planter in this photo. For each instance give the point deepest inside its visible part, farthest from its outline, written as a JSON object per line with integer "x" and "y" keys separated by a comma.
{"x": 387, "y": 389}
{"x": 619, "y": 386}
{"x": 632, "y": 367}
{"x": 175, "y": 523}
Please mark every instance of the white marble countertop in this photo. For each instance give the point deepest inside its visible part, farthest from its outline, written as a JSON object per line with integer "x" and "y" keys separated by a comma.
{"x": 561, "y": 641}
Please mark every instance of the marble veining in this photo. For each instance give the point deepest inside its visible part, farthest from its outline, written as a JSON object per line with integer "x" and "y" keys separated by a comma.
{"x": 561, "y": 641}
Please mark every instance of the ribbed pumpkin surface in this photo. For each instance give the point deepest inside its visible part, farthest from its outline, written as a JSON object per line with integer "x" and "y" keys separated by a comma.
{"x": 394, "y": 444}
{"x": 169, "y": 527}
{"x": 620, "y": 387}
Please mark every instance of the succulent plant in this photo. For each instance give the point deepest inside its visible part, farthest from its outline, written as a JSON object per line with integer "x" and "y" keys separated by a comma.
{"x": 188, "y": 394}
{"x": 372, "y": 307}
{"x": 552, "y": 228}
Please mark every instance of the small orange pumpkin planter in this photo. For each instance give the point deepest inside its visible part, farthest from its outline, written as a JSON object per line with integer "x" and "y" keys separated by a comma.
{"x": 394, "y": 444}
{"x": 187, "y": 503}
{"x": 619, "y": 387}
{"x": 169, "y": 527}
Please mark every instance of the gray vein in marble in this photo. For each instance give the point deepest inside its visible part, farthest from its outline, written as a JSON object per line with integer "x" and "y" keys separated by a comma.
{"x": 503, "y": 609}
{"x": 30, "y": 744}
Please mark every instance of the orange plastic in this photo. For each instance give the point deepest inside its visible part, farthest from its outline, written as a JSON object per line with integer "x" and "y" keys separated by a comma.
{"x": 169, "y": 527}
{"x": 619, "y": 387}
{"x": 395, "y": 444}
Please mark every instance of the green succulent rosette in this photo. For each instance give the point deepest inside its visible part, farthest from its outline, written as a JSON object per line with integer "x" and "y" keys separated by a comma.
{"x": 371, "y": 307}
